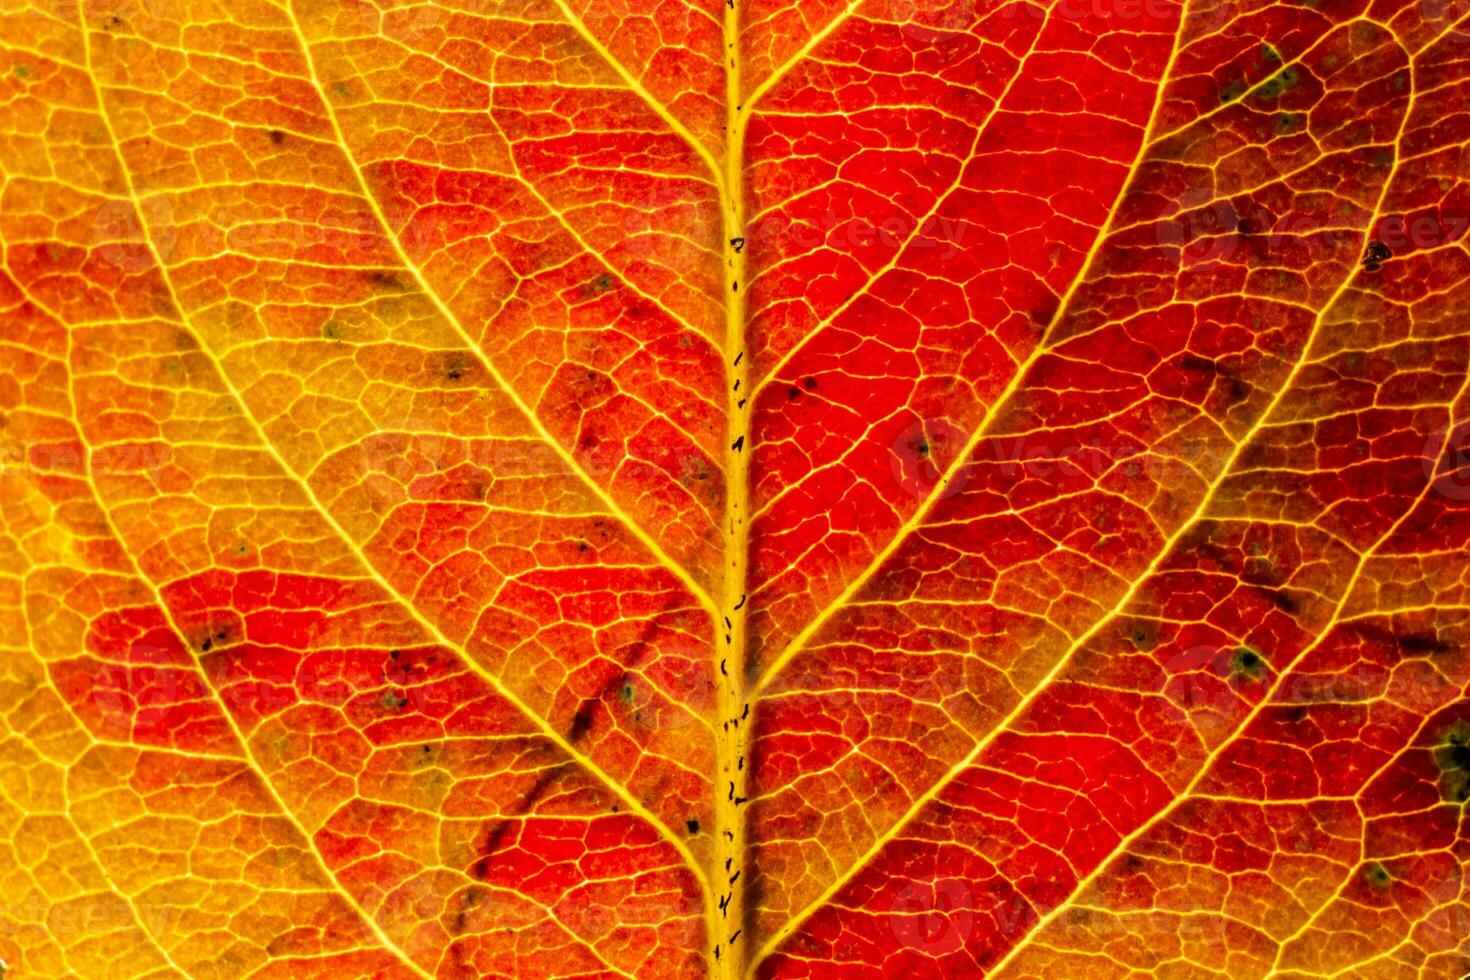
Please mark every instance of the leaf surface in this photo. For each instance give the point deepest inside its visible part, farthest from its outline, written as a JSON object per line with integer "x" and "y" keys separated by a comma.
{"x": 778, "y": 489}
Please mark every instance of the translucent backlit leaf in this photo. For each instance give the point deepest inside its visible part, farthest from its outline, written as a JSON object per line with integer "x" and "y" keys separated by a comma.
{"x": 734, "y": 488}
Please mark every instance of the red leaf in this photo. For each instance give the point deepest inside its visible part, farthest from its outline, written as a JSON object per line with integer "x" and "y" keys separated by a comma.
{"x": 902, "y": 488}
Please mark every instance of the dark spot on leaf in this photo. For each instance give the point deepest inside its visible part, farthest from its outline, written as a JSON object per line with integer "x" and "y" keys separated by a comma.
{"x": 1289, "y": 122}
{"x": 1043, "y": 315}
{"x": 457, "y": 365}
{"x": 1426, "y": 642}
{"x": 1232, "y": 91}
{"x": 582, "y": 720}
{"x": 277, "y": 137}
{"x": 1279, "y": 84}
{"x": 1377, "y": 875}
{"x": 1375, "y": 255}
{"x": 386, "y": 280}
{"x": 1453, "y": 757}
{"x": 1248, "y": 664}
{"x": 811, "y": 384}
{"x": 1282, "y": 600}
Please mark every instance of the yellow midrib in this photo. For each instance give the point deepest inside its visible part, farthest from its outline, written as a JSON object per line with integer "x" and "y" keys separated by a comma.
{"x": 733, "y": 721}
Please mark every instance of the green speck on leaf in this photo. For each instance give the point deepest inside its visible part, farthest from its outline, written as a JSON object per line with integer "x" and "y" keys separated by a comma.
{"x": 1377, "y": 875}
{"x": 1232, "y": 91}
{"x": 1453, "y": 758}
{"x": 1279, "y": 83}
{"x": 1246, "y": 663}
{"x": 1289, "y": 122}
{"x": 1269, "y": 53}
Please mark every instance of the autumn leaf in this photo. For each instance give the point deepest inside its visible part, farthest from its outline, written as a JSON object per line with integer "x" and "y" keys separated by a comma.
{"x": 738, "y": 488}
